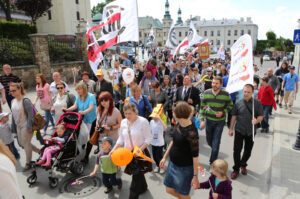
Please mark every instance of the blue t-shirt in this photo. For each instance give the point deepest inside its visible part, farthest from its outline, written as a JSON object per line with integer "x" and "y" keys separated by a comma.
{"x": 290, "y": 81}
{"x": 83, "y": 105}
{"x": 127, "y": 62}
{"x": 217, "y": 182}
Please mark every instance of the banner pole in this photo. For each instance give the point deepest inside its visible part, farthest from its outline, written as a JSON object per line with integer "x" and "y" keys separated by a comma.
{"x": 253, "y": 126}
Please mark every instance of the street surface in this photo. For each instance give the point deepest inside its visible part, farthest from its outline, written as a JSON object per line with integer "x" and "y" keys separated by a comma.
{"x": 273, "y": 165}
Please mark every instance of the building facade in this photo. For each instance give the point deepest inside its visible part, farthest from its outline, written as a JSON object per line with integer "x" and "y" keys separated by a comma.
{"x": 64, "y": 17}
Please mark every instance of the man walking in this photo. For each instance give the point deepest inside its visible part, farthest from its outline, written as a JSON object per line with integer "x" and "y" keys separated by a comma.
{"x": 216, "y": 103}
{"x": 188, "y": 93}
{"x": 274, "y": 83}
{"x": 243, "y": 120}
{"x": 290, "y": 86}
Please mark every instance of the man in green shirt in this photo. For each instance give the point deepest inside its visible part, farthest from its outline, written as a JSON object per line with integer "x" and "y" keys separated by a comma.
{"x": 214, "y": 106}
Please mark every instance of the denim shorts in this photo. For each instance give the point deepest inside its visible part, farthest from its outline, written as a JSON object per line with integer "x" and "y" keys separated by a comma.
{"x": 179, "y": 178}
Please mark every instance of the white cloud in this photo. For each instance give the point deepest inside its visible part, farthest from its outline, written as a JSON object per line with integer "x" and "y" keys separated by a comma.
{"x": 281, "y": 21}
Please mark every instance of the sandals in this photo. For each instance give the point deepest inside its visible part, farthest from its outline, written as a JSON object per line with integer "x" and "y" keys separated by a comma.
{"x": 27, "y": 167}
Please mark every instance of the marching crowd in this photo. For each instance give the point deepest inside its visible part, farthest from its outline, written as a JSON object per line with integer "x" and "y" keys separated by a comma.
{"x": 192, "y": 93}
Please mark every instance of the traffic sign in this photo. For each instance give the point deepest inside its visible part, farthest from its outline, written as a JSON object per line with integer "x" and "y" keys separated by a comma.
{"x": 296, "y": 39}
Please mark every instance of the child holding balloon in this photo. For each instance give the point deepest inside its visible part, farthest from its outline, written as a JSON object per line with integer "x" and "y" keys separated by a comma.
{"x": 108, "y": 168}
{"x": 218, "y": 183}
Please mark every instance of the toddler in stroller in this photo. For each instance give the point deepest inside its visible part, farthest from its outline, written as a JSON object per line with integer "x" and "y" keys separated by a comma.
{"x": 57, "y": 143}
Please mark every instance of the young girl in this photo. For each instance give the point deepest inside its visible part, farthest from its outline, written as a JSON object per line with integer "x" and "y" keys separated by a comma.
{"x": 62, "y": 137}
{"x": 218, "y": 182}
{"x": 158, "y": 142}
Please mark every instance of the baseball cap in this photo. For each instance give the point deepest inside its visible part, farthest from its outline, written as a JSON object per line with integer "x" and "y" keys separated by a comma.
{"x": 292, "y": 67}
{"x": 107, "y": 139}
{"x": 2, "y": 115}
{"x": 99, "y": 72}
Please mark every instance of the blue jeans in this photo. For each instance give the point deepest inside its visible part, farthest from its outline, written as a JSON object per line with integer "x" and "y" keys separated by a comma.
{"x": 13, "y": 149}
{"x": 265, "y": 121}
{"x": 48, "y": 118}
{"x": 110, "y": 180}
{"x": 213, "y": 137}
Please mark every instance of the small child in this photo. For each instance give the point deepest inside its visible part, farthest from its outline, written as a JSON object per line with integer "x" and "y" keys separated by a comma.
{"x": 157, "y": 128}
{"x": 47, "y": 155}
{"x": 108, "y": 168}
{"x": 6, "y": 135}
{"x": 218, "y": 182}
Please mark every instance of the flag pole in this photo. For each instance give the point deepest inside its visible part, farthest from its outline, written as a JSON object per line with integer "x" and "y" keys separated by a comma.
{"x": 253, "y": 126}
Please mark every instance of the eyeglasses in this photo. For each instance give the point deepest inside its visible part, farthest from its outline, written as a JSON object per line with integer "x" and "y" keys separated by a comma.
{"x": 104, "y": 99}
{"x": 59, "y": 88}
{"x": 13, "y": 91}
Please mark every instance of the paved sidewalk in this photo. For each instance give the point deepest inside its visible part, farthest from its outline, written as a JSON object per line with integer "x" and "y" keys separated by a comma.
{"x": 285, "y": 175}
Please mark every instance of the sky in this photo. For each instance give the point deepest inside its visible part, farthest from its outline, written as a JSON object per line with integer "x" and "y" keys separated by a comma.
{"x": 279, "y": 16}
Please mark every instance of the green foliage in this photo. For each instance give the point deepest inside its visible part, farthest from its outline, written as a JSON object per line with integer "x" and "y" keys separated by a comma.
{"x": 99, "y": 7}
{"x": 290, "y": 47}
{"x": 280, "y": 44}
{"x": 261, "y": 46}
{"x": 61, "y": 52}
{"x": 16, "y": 52}
{"x": 271, "y": 38}
{"x": 16, "y": 30}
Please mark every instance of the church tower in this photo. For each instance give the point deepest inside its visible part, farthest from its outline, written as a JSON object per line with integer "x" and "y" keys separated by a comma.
{"x": 167, "y": 21}
{"x": 179, "y": 20}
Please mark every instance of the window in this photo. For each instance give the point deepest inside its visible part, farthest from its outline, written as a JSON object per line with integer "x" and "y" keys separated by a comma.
{"x": 77, "y": 1}
{"x": 212, "y": 42}
{"x": 49, "y": 15}
{"x": 205, "y": 33}
{"x": 242, "y": 32}
{"x": 249, "y": 32}
{"x": 228, "y": 42}
{"x": 197, "y": 31}
{"x": 218, "y": 42}
{"x": 212, "y": 33}
{"x": 78, "y": 15}
{"x": 234, "y": 41}
{"x": 219, "y": 33}
{"x": 165, "y": 34}
{"x": 145, "y": 35}
{"x": 235, "y": 32}
{"x": 179, "y": 34}
{"x": 140, "y": 34}
{"x": 186, "y": 33}
{"x": 229, "y": 33}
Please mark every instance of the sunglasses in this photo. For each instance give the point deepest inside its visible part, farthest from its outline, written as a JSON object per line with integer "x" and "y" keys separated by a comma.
{"x": 59, "y": 88}
{"x": 104, "y": 99}
{"x": 13, "y": 91}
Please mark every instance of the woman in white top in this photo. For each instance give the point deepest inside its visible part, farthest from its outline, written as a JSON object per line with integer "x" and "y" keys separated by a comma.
{"x": 61, "y": 101}
{"x": 141, "y": 136}
{"x": 9, "y": 187}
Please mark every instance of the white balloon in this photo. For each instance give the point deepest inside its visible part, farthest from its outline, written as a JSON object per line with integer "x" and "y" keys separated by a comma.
{"x": 128, "y": 75}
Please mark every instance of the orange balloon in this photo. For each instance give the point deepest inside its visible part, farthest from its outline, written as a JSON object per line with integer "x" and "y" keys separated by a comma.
{"x": 121, "y": 157}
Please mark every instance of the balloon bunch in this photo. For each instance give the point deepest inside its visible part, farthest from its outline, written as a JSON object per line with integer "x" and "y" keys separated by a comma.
{"x": 203, "y": 173}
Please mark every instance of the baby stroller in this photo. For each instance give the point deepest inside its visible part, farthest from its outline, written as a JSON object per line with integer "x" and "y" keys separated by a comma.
{"x": 65, "y": 159}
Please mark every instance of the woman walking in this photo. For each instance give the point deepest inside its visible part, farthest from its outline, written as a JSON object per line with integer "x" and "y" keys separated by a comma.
{"x": 182, "y": 171}
{"x": 169, "y": 90}
{"x": 43, "y": 94}
{"x": 22, "y": 120}
{"x": 135, "y": 131}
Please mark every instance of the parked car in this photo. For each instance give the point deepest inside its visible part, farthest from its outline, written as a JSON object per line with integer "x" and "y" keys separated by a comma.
{"x": 266, "y": 58}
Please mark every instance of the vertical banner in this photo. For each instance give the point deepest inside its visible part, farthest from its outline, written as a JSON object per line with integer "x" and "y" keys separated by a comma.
{"x": 172, "y": 40}
{"x": 241, "y": 69}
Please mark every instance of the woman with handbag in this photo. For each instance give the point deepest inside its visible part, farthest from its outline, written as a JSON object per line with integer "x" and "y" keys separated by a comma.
{"x": 182, "y": 171}
{"x": 135, "y": 131}
{"x": 141, "y": 101}
{"x": 86, "y": 105}
{"x": 108, "y": 118}
{"x": 43, "y": 94}
{"x": 22, "y": 121}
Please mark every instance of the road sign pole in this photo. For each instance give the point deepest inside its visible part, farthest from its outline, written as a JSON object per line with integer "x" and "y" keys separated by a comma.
{"x": 296, "y": 41}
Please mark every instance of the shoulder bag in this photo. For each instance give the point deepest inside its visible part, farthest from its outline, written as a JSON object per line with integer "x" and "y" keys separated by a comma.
{"x": 95, "y": 137}
{"x": 147, "y": 112}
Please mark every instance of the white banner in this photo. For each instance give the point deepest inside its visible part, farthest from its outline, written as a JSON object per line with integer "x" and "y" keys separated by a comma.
{"x": 128, "y": 25}
{"x": 151, "y": 37}
{"x": 193, "y": 37}
{"x": 241, "y": 69}
{"x": 221, "y": 52}
{"x": 172, "y": 40}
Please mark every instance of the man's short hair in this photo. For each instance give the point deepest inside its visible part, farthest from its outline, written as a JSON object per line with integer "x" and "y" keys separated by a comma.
{"x": 265, "y": 79}
{"x": 219, "y": 78}
{"x": 249, "y": 86}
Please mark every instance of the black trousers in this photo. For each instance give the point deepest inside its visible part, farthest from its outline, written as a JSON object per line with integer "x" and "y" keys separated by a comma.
{"x": 157, "y": 152}
{"x": 138, "y": 186}
{"x": 89, "y": 145}
{"x": 239, "y": 141}
{"x": 9, "y": 98}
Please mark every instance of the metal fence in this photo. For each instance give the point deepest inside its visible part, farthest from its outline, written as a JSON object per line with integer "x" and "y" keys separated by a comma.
{"x": 64, "y": 50}
{"x": 16, "y": 52}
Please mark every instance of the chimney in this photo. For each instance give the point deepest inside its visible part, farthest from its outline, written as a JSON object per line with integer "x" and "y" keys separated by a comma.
{"x": 249, "y": 20}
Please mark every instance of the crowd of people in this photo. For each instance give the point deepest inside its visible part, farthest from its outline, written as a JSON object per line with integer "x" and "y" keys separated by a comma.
{"x": 193, "y": 95}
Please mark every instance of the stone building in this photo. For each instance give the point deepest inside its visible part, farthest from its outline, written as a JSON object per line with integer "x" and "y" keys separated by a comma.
{"x": 65, "y": 16}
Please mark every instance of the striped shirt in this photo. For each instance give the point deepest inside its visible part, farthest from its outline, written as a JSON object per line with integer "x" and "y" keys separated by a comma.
{"x": 215, "y": 103}
{"x": 5, "y": 80}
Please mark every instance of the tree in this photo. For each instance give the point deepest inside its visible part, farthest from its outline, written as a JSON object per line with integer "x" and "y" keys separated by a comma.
{"x": 280, "y": 44}
{"x": 271, "y": 38}
{"x": 261, "y": 46}
{"x": 289, "y": 45}
{"x": 99, "y": 7}
{"x": 34, "y": 8}
{"x": 6, "y": 7}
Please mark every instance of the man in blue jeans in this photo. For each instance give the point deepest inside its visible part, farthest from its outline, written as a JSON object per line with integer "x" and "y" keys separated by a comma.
{"x": 215, "y": 104}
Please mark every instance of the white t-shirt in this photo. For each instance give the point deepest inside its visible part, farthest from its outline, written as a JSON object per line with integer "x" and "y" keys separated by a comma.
{"x": 17, "y": 110}
{"x": 115, "y": 75}
{"x": 59, "y": 104}
{"x": 9, "y": 187}
{"x": 157, "y": 130}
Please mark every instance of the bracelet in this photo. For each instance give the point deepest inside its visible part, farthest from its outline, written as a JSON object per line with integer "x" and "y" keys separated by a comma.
{"x": 195, "y": 175}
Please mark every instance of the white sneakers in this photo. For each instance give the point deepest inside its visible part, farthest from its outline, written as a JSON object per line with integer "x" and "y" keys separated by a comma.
{"x": 158, "y": 170}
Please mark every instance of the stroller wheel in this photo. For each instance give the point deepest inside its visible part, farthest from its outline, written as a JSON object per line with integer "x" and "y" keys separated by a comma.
{"x": 53, "y": 182}
{"x": 32, "y": 179}
{"x": 77, "y": 168}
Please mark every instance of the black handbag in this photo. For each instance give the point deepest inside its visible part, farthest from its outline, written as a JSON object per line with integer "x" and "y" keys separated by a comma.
{"x": 138, "y": 165}
{"x": 147, "y": 112}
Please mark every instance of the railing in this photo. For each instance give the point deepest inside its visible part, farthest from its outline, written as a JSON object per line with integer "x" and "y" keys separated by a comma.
{"x": 16, "y": 52}
{"x": 64, "y": 50}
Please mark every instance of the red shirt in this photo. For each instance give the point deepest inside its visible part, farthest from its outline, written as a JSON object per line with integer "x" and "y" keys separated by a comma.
{"x": 266, "y": 96}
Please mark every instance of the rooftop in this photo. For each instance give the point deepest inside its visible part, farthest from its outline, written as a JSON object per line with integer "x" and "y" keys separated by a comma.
{"x": 148, "y": 22}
